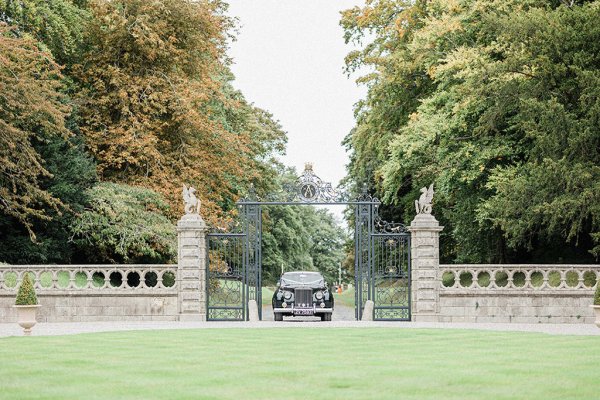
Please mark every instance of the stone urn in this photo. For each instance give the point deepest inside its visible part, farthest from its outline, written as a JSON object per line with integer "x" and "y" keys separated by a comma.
{"x": 26, "y": 317}
{"x": 597, "y": 313}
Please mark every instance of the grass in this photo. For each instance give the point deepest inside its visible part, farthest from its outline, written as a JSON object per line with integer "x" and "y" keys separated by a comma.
{"x": 300, "y": 363}
{"x": 345, "y": 298}
{"x": 267, "y": 295}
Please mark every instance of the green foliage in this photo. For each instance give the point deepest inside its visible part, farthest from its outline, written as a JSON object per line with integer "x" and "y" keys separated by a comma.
{"x": 32, "y": 110}
{"x": 300, "y": 238}
{"x": 597, "y": 295}
{"x": 72, "y": 173}
{"x": 328, "y": 239}
{"x": 140, "y": 92}
{"x": 59, "y": 24}
{"x": 26, "y": 294}
{"x": 286, "y": 241}
{"x": 124, "y": 224}
{"x": 497, "y": 103}
{"x": 151, "y": 78}
{"x": 45, "y": 169}
{"x": 266, "y": 139}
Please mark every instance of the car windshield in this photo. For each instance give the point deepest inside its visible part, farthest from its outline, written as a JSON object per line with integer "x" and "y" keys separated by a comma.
{"x": 302, "y": 278}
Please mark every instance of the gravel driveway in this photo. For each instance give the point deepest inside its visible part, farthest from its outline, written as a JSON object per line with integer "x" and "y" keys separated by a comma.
{"x": 70, "y": 328}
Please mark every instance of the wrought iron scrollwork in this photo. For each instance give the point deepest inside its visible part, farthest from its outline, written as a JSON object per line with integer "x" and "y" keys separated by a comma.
{"x": 382, "y": 226}
{"x": 225, "y": 276}
{"x": 232, "y": 226}
{"x": 307, "y": 188}
{"x": 364, "y": 196}
{"x": 391, "y": 275}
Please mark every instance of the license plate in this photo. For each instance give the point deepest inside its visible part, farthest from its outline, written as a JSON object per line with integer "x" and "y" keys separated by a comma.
{"x": 303, "y": 312}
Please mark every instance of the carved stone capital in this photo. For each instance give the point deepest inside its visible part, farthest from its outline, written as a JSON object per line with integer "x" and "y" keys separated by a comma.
{"x": 425, "y": 222}
{"x": 191, "y": 222}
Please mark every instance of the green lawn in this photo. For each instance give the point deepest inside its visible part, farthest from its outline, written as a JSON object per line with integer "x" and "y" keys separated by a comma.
{"x": 300, "y": 363}
{"x": 267, "y": 295}
{"x": 345, "y": 298}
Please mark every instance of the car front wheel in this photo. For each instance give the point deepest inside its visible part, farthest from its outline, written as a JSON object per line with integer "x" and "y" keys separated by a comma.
{"x": 278, "y": 317}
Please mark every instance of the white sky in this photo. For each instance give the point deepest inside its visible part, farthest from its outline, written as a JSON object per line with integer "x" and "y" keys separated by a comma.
{"x": 289, "y": 59}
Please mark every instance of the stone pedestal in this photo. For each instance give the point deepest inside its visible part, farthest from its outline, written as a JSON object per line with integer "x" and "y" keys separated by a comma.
{"x": 191, "y": 271}
{"x": 425, "y": 261}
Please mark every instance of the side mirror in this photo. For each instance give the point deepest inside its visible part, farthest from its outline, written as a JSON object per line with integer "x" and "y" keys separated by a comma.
{"x": 278, "y": 283}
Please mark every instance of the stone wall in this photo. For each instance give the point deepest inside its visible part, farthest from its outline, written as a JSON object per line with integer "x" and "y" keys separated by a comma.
{"x": 75, "y": 307}
{"x": 445, "y": 293}
{"x": 517, "y": 293}
{"x": 71, "y": 293}
{"x": 532, "y": 293}
{"x": 517, "y": 307}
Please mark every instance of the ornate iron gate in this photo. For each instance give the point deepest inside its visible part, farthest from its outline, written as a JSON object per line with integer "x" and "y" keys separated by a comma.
{"x": 226, "y": 286}
{"x": 234, "y": 268}
{"x": 390, "y": 282}
{"x": 382, "y": 264}
{"x": 382, "y": 255}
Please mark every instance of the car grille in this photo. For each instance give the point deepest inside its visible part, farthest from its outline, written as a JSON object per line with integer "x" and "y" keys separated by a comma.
{"x": 303, "y": 296}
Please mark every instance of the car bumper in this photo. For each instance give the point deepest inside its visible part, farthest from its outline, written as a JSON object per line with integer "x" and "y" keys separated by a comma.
{"x": 313, "y": 311}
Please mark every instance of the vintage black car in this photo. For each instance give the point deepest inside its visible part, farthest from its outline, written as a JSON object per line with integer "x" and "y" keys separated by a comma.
{"x": 302, "y": 293}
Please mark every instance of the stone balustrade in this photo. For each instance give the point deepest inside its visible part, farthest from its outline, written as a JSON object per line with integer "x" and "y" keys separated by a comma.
{"x": 126, "y": 277}
{"x": 518, "y": 277}
{"x": 517, "y": 293}
{"x": 124, "y": 292}
{"x": 70, "y": 293}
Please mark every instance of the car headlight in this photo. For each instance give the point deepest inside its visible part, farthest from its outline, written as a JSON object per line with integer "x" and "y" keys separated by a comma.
{"x": 288, "y": 295}
{"x": 319, "y": 295}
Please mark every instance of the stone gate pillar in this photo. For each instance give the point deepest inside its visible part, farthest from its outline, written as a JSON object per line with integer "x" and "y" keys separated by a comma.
{"x": 191, "y": 267}
{"x": 425, "y": 261}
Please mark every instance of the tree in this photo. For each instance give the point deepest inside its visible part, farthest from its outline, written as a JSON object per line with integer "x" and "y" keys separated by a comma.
{"x": 286, "y": 241}
{"x": 396, "y": 84}
{"x": 72, "y": 173}
{"x": 32, "y": 111}
{"x": 328, "y": 239}
{"x": 156, "y": 110}
{"x": 124, "y": 224}
{"x": 266, "y": 140}
{"x": 153, "y": 106}
{"x": 58, "y": 24}
{"x": 502, "y": 119}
